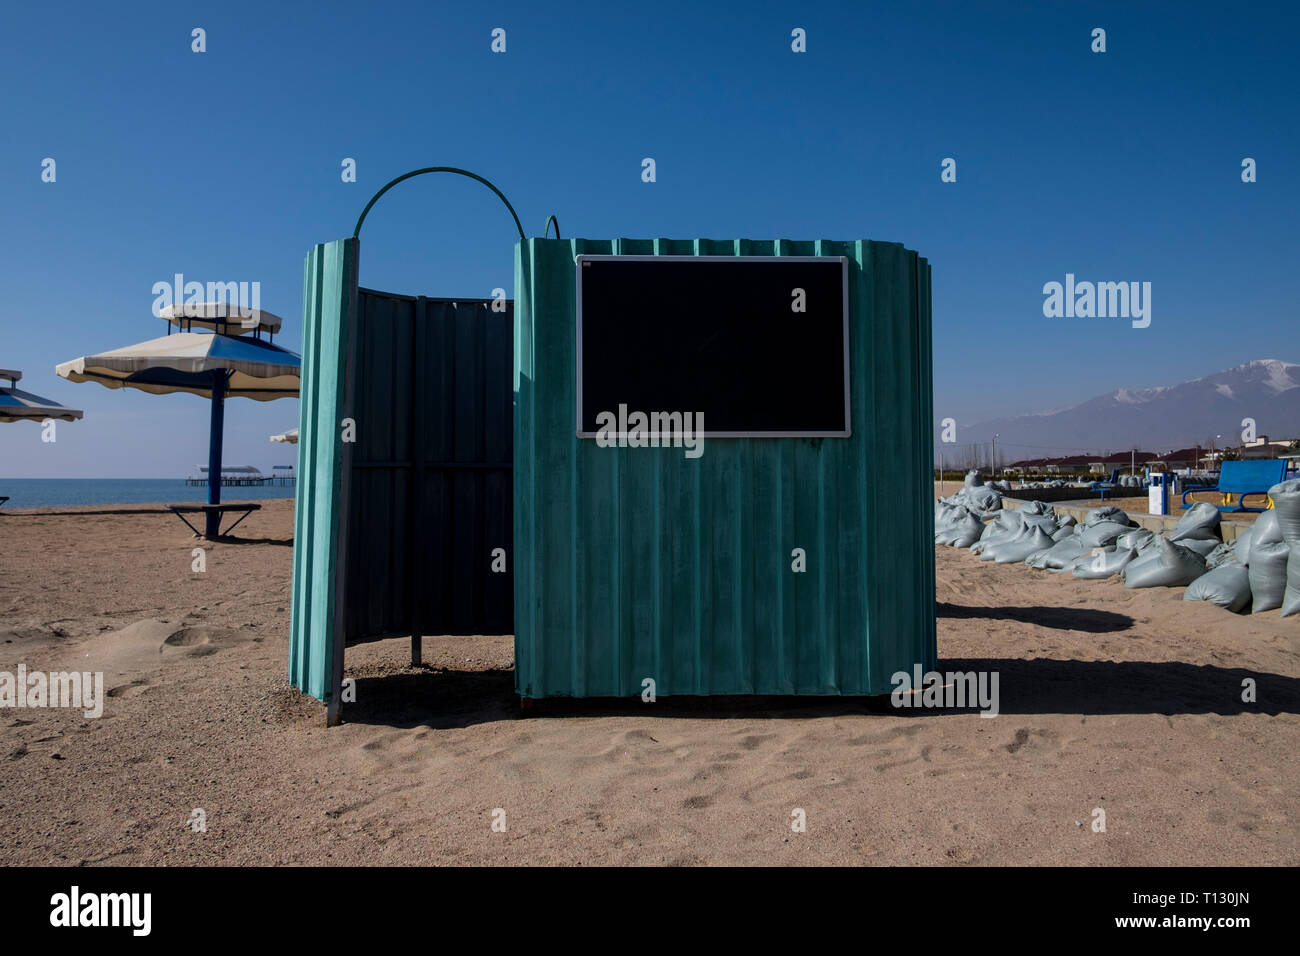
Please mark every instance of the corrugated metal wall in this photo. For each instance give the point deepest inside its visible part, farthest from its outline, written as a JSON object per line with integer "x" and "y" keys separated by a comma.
{"x": 431, "y": 484}
{"x": 315, "y": 628}
{"x": 635, "y": 563}
{"x": 394, "y": 531}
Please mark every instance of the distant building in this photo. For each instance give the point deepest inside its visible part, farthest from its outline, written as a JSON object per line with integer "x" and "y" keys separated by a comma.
{"x": 1180, "y": 459}
{"x": 1048, "y": 466}
{"x": 1262, "y": 447}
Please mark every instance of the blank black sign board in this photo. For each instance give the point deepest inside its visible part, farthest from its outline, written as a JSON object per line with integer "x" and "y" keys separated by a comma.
{"x": 721, "y": 335}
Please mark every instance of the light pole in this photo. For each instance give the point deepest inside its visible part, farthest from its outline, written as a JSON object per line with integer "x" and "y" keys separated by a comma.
{"x": 993, "y": 465}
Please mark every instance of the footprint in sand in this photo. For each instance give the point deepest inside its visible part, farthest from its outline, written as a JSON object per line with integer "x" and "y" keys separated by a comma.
{"x": 1034, "y": 741}
{"x": 201, "y": 641}
{"x": 125, "y": 691}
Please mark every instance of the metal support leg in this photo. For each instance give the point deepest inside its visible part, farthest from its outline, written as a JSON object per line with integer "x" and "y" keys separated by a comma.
{"x": 212, "y": 527}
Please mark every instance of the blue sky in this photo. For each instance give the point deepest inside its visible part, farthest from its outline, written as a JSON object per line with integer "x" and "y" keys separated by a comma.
{"x": 224, "y": 166}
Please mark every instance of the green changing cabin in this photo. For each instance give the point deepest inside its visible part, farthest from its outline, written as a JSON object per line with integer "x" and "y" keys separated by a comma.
{"x": 641, "y": 563}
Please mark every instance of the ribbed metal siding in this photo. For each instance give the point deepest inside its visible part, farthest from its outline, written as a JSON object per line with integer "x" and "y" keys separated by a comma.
{"x": 315, "y": 631}
{"x": 431, "y": 483}
{"x": 634, "y": 563}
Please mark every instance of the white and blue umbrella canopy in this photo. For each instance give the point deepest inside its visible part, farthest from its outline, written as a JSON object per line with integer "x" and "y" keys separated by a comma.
{"x": 291, "y": 437}
{"x": 208, "y": 364}
{"x": 185, "y": 361}
{"x": 19, "y": 406}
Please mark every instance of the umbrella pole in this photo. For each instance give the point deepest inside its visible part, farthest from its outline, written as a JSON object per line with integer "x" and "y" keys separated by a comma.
{"x": 212, "y": 527}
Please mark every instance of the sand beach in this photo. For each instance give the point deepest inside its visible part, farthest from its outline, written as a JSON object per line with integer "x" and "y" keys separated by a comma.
{"x": 1125, "y": 701}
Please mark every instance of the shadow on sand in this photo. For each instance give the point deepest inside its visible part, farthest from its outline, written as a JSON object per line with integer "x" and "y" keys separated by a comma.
{"x": 281, "y": 542}
{"x": 1059, "y": 618}
{"x": 444, "y": 699}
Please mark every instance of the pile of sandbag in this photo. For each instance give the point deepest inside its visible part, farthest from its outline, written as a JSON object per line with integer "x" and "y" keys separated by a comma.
{"x": 1258, "y": 571}
{"x": 1262, "y": 567}
{"x": 1090, "y": 550}
{"x": 977, "y": 496}
{"x": 1012, "y": 536}
{"x": 959, "y": 518}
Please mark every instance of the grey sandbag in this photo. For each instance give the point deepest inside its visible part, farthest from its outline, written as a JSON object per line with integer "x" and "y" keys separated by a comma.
{"x": 1286, "y": 502}
{"x": 943, "y": 526}
{"x": 1108, "y": 513}
{"x": 958, "y": 526}
{"x": 1036, "y": 508}
{"x": 1241, "y": 546}
{"x": 1006, "y": 521}
{"x": 1137, "y": 539}
{"x": 1021, "y": 548}
{"x": 983, "y": 498}
{"x": 1202, "y": 546}
{"x": 1103, "y": 563}
{"x": 993, "y": 547}
{"x": 1063, "y": 532}
{"x": 1058, "y": 557}
{"x": 1201, "y": 521}
{"x": 973, "y": 479}
{"x": 1222, "y": 554}
{"x": 1165, "y": 565}
{"x": 1101, "y": 533}
{"x": 1227, "y": 586}
{"x": 1077, "y": 561}
{"x": 1268, "y": 561}
{"x": 1046, "y": 522}
{"x": 968, "y": 530}
{"x": 990, "y": 533}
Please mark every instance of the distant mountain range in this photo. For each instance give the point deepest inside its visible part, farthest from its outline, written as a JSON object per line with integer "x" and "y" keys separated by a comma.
{"x": 1153, "y": 419}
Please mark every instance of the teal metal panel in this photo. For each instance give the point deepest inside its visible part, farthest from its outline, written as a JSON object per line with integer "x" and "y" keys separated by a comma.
{"x": 636, "y": 563}
{"x": 320, "y": 526}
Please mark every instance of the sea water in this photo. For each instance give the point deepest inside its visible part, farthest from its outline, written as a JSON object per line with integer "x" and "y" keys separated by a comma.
{"x": 65, "y": 492}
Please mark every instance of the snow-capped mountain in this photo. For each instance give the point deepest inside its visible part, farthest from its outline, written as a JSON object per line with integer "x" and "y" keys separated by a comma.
{"x": 1155, "y": 419}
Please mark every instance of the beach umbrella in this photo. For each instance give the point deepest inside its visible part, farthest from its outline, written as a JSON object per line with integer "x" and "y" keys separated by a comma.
{"x": 231, "y": 361}
{"x": 291, "y": 436}
{"x": 19, "y": 406}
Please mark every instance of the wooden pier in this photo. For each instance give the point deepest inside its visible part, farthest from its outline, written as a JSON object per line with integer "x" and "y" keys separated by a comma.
{"x": 246, "y": 477}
